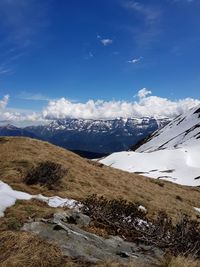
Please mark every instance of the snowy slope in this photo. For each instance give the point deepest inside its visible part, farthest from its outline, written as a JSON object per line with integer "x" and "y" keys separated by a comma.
{"x": 184, "y": 131}
{"x": 172, "y": 153}
{"x": 180, "y": 166}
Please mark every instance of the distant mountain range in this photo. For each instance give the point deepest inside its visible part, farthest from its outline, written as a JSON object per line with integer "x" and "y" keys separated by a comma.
{"x": 91, "y": 137}
{"x": 171, "y": 153}
{"x": 10, "y": 130}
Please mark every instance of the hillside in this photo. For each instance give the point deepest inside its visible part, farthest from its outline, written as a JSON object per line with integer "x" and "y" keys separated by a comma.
{"x": 85, "y": 177}
{"x": 44, "y": 223}
{"x": 171, "y": 153}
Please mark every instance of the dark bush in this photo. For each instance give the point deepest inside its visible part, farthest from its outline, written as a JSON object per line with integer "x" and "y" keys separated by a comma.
{"x": 179, "y": 198}
{"x": 46, "y": 173}
{"x": 119, "y": 217}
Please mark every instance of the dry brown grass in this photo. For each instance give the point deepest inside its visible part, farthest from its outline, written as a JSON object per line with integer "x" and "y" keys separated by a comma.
{"x": 22, "y": 211}
{"x": 181, "y": 262}
{"x": 121, "y": 265}
{"x": 18, "y": 155}
{"x": 171, "y": 262}
{"x": 20, "y": 249}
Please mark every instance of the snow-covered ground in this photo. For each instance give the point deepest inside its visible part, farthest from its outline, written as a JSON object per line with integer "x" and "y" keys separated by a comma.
{"x": 8, "y": 197}
{"x": 197, "y": 209}
{"x": 181, "y": 166}
{"x": 172, "y": 153}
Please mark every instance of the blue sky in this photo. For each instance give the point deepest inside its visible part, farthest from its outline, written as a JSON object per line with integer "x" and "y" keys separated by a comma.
{"x": 92, "y": 49}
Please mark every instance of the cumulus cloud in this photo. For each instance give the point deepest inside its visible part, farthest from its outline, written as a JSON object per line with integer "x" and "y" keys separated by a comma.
{"x": 143, "y": 93}
{"x": 135, "y": 60}
{"x": 145, "y": 105}
{"x": 13, "y": 115}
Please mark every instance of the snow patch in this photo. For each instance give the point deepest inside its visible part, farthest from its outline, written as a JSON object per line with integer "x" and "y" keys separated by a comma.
{"x": 197, "y": 209}
{"x": 8, "y": 197}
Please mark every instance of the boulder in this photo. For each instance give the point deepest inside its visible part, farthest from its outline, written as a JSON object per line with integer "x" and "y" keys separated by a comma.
{"x": 64, "y": 230}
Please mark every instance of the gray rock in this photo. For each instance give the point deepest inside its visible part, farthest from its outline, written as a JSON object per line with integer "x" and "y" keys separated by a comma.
{"x": 77, "y": 243}
{"x": 72, "y": 217}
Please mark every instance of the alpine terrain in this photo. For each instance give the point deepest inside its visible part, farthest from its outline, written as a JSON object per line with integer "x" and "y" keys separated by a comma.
{"x": 59, "y": 210}
{"x": 171, "y": 153}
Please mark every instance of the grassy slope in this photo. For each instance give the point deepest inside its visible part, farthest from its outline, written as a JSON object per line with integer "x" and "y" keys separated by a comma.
{"x": 17, "y": 155}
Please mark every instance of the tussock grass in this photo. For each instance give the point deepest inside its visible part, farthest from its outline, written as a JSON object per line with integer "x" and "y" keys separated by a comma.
{"x": 180, "y": 262}
{"x": 20, "y": 249}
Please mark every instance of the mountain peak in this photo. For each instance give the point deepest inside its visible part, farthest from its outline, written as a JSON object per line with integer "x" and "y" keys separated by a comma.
{"x": 183, "y": 131}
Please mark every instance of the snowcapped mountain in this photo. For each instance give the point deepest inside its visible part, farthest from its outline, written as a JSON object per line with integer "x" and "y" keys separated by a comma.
{"x": 171, "y": 153}
{"x": 184, "y": 131}
{"x": 99, "y": 136}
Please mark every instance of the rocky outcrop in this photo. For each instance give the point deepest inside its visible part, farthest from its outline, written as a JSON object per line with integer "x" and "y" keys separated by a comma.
{"x": 64, "y": 229}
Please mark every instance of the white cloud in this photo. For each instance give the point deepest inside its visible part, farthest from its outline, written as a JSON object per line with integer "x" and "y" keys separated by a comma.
{"x": 145, "y": 106}
{"x": 143, "y": 93}
{"x": 106, "y": 42}
{"x": 135, "y": 60}
{"x": 14, "y": 115}
{"x": 4, "y": 102}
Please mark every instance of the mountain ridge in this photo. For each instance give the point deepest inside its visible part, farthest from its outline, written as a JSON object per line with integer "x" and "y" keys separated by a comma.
{"x": 94, "y": 136}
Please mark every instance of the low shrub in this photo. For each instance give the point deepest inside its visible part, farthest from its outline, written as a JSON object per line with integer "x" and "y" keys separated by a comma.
{"x": 123, "y": 218}
{"x": 46, "y": 173}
